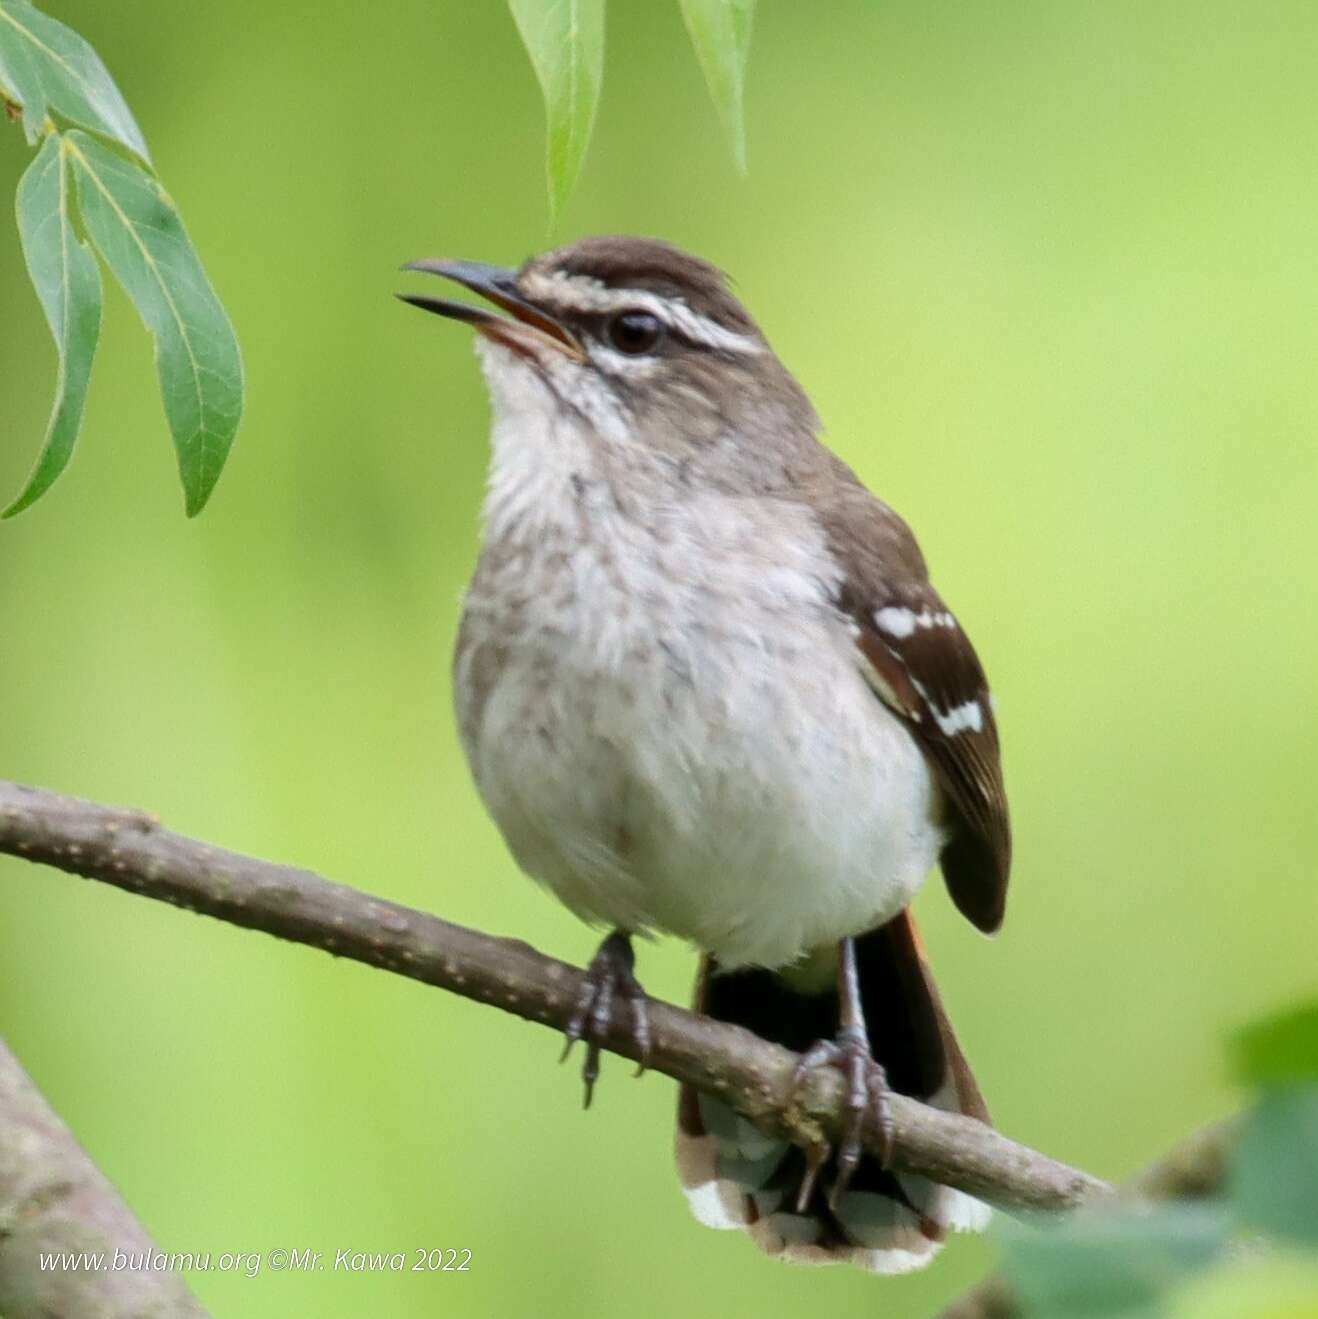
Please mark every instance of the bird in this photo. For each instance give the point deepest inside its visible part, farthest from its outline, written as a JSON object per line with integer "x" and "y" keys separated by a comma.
{"x": 706, "y": 689}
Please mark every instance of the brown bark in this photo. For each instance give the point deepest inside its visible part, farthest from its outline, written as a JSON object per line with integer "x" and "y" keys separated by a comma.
{"x": 54, "y": 1200}
{"x": 132, "y": 851}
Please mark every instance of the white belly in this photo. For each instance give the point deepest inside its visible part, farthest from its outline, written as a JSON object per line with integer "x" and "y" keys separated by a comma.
{"x": 698, "y": 757}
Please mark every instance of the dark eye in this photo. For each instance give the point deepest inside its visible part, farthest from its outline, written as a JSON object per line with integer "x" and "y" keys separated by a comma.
{"x": 635, "y": 332}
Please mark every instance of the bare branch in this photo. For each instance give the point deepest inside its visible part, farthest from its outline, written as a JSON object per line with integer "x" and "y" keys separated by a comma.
{"x": 132, "y": 851}
{"x": 54, "y": 1199}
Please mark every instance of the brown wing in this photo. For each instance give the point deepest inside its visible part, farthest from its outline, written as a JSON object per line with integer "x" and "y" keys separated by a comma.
{"x": 922, "y": 665}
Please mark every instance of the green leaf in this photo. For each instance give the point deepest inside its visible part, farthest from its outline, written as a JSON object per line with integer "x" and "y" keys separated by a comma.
{"x": 137, "y": 229}
{"x": 721, "y": 33}
{"x": 1274, "y": 1182}
{"x": 46, "y": 66}
{"x": 565, "y": 40}
{"x": 68, "y": 282}
{"x": 1114, "y": 1265}
{"x": 1279, "y": 1050}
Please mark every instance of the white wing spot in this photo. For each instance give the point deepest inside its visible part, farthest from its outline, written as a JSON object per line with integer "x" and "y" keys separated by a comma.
{"x": 896, "y": 620}
{"x": 968, "y": 715}
{"x": 900, "y": 622}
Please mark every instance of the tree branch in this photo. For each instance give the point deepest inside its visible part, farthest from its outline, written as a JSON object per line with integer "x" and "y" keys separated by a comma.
{"x": 54, "y": 1199}
{"x": 132, "y": 851}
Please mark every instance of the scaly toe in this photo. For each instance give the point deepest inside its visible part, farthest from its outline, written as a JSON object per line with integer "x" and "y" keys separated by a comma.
{"x": 608, "y": 977}
{"x": 865, "y": 1090}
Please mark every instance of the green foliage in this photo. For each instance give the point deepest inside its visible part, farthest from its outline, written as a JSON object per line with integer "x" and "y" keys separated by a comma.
{"x": 1132, "y": 1263}
{"x": 70, "y": 104}
{"x": 139, "y": 234}
{"x": 721, "y": 33}
{"x": 68, "y": 282}
{"x": 1117, "y": 1265}
{"x": 565, "y": 40}
{"x": 1275, "y": 1180}
{"x": 1280, "y": 1049}
{"x": 1274, "y": 1184}
{"x": 45, "y": 68}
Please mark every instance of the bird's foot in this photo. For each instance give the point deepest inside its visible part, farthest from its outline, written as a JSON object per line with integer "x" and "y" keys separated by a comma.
{"x": 609, "y": 976}
{"x": 865, "y": 1091}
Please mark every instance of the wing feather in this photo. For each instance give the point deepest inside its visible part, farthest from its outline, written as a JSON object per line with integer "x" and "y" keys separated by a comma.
{"x": 918, "y": 660}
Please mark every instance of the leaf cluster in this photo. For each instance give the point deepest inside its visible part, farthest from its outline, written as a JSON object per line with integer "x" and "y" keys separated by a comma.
{"x": 565, "y": 40}
{"x": 92, "y": 185}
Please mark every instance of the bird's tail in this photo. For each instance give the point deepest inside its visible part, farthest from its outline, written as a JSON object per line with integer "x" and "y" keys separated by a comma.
{"x": 736, "y": 1176}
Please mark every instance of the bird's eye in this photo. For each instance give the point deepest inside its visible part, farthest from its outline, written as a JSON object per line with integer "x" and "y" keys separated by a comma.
{"x": 635, "y": 332}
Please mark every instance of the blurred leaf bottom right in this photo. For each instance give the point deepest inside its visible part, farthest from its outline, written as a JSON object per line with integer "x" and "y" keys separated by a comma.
{"x": 1250, "y": 1251}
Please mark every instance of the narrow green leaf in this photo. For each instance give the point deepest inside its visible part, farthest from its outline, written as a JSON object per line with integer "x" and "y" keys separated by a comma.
{"x": 137, "y": 229}
{"x": 721, "y": 33}
{"x": 1274, "y": 1182}
{"x": 68, "y": 282}
{"x": 1280, "y": 1049}
{"x": 46, "y": 66}
{"x": 565, "y": 40}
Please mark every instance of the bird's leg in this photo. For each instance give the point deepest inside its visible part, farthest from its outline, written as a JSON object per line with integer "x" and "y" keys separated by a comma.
{"x": 609, "y": 975}
{"x": 866, "y": 1084}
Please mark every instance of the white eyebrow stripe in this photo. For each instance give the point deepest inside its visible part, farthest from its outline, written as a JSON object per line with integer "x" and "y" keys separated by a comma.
{"x": 586, "y": 293}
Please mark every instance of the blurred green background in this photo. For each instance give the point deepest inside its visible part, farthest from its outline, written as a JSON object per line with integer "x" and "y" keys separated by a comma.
{"x": 1050, "y": 274}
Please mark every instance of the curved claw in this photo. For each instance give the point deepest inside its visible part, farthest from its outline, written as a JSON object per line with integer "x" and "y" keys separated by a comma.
{"x": 576, "y": 1026}
{"x": 609, "y": 975}
{"x": 865, "y": 1087}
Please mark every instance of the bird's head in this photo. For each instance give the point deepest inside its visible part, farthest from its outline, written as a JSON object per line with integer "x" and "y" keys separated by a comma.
{"x": 640, "y": 339}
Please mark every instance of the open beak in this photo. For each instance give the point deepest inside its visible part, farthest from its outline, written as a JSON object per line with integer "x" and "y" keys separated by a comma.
{"x": 529, "y": 329}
